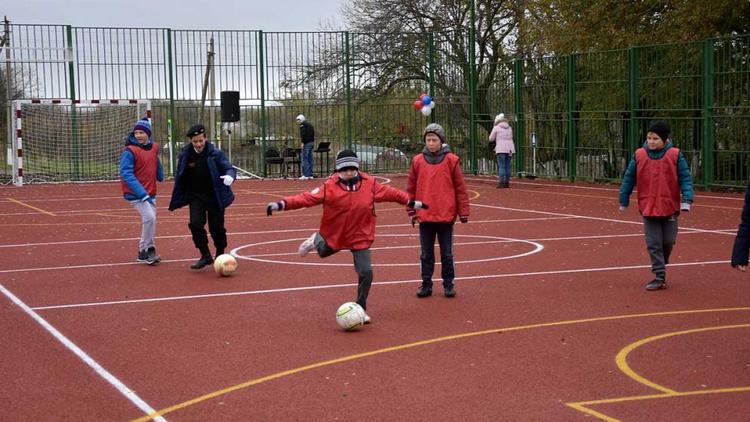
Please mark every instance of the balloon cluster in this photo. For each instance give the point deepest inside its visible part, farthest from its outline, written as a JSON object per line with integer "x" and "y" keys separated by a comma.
{"x": 425, "y": 104}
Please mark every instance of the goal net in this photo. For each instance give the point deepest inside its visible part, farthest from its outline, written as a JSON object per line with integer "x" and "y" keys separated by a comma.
{"x": 71, "y": 141}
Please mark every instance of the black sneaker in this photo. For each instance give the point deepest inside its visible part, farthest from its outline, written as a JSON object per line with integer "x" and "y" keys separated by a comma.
{"x": 152, "y": 257}
{"x": 424, "y": 291}
{"x": 142, "y": 256}
{"x": 450, "y": 292}
{"x": 202, "y": 262}
{"x": 656, "y": 284}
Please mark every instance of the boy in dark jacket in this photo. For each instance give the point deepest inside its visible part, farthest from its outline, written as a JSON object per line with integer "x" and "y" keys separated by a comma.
{"x": 741, "y": 247}
{"x": 203, "y": 180}
{"x": 661, "y": 173}
{"x": 140, "y": 169}
{"x": 436, "y": 177}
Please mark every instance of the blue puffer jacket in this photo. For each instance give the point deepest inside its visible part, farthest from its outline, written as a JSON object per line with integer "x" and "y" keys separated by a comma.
{"x": 218, "y": 165}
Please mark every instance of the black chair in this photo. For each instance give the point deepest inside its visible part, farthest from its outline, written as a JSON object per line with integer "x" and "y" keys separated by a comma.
{"x": 274, "y": 158}
{"x": 323, "y": 148}
{"x": 292, "y": 160}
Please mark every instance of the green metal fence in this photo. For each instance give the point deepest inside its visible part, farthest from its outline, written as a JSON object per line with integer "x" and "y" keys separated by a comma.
{"x": 588, "y": 111}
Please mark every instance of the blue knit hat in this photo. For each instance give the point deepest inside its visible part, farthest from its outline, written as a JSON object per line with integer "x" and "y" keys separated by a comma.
{"x": 143, "y": 125}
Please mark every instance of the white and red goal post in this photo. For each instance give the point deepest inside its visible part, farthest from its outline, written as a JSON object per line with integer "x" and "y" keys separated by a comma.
{"x": 72, "y": 140}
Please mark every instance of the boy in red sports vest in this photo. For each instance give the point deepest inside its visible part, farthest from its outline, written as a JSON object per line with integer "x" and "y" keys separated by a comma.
{"x": 140, "y": 168}
{"x": 661, "y": 173}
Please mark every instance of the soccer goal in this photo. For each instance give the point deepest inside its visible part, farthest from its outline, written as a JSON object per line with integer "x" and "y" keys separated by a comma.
{"x": 72, "y": 141}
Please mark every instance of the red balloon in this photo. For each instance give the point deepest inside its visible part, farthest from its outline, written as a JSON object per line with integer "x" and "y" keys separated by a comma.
{"x": 418, "y": 104}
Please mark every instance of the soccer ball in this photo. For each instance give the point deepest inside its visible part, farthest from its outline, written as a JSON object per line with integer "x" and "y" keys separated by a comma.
{"x": 225, "y": 265}
{"x": 350, "y": 316}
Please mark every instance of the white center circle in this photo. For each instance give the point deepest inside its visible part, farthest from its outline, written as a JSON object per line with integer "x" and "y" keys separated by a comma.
{"x": 536, "y": 248}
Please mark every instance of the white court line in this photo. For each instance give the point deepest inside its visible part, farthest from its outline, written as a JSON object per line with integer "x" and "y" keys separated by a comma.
{"x": 586, "y": 217}
{"x": 343, "y": 284}
{"x": 111, "y": 379}
{"x": 115, "y": 264}
{"x": 305, "y": 230}
{"x": 613, "y": 190}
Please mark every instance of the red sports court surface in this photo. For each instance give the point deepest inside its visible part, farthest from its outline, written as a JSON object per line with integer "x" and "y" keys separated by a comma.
{"x": 551, "y": 320}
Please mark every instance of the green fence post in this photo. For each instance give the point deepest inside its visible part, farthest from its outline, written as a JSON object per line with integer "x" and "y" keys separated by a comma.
{"x": 572, "y": 138}
{"x": 431, "y": 69}
{"x": 633, "y": 100}
{"x": 472, "y": 89}
{"x": 348, "y": 69}
{"x": 262, "y": 86}
{"x": 519, "y": 134}
{"x": 171, "y": 119}
{"x": 75, "y": 148}
{"x": 708, "y": 118}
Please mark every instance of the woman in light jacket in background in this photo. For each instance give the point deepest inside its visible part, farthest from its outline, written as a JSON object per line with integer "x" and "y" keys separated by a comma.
{"x": 502, "y": 136}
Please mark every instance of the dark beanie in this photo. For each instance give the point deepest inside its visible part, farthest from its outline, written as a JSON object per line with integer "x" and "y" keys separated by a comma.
{"x": 661, "y": 129}
{"x": 347, "y": 158}
{"x": 145, "y": 125}
{"x": 195, "y": 130}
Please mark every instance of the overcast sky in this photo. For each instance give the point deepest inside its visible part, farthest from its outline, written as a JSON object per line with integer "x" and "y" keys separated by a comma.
{"x": 266, "y": 15}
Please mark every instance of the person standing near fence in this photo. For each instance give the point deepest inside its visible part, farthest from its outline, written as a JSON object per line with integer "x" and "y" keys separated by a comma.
{"x": 202, "y": 181}
{"x": 435, "y": 177}
{"x": 741, "y": 247}
{"x": 140, "y": 169}
{"x": 502, "y": 137}
{"x": 307, "y": 136}
{"x": 661, "y": 173}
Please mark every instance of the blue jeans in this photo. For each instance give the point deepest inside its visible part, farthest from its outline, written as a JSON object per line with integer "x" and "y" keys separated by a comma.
{"x": 307, "y": 159}
{"x": 503, "y": 167}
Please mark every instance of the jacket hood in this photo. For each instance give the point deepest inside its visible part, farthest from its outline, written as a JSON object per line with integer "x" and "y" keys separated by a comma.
{"x": 436, "y": 157}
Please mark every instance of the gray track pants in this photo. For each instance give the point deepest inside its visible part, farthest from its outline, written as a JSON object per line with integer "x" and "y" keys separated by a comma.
{"x": 147, "y": 211}
{"x": 661, "y": 235}
{"x": 362, "y": 266}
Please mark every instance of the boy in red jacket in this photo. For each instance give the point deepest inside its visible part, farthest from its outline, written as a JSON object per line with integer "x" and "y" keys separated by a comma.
{"x": 435, "y": 176}
{"x": 348, "y": 220}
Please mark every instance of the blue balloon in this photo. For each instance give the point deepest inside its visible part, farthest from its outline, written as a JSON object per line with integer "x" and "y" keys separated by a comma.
{"x": 426, "y": 100}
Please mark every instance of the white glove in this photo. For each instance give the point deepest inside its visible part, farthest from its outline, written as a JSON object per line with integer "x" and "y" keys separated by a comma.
{"x": 623, "y": 207}
{"x": 227, "y": 180}
{"x": 417, "y": 205}
{"x": 685, "y": 206}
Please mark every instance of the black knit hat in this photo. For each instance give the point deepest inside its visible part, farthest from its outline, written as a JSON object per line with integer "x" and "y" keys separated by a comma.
{"x": 347, "y": 158}
{"x": 661, "y": 129}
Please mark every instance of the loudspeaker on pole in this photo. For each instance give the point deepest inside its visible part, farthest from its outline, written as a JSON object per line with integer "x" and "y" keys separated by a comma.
{"x": 230, "y": 106}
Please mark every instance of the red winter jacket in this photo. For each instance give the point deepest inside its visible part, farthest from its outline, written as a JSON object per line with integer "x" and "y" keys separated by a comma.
{"x": 348, "y": 220}
{"x": 441, "y": 186}
{"x": 658, "y": 184}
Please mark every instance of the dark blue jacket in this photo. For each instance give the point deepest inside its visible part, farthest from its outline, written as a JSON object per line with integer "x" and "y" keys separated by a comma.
{"x": 218, "y": 165}
{"x": 741, "y": 247}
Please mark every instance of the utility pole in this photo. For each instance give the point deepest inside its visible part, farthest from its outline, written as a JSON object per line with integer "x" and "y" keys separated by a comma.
{"x": 5, "y": 44}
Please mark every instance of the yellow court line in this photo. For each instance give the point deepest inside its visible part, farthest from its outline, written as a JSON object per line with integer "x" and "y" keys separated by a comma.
{"x": 30, "y": 206}
{"x": 293, "y": 371}
{"x": 622, "y": 356}
{"x": 581, "y": 406}
{"x": 621, "y": 360}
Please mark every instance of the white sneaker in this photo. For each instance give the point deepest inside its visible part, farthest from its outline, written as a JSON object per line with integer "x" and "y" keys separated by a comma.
{"x": 303, "y": 178}
{"x": 367, "y": 319}
{"x": 307, "y": 246}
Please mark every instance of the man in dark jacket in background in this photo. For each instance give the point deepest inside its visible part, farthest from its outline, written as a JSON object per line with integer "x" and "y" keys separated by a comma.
{"x": 203, "y": 180}
{"x": 307, "y": 135}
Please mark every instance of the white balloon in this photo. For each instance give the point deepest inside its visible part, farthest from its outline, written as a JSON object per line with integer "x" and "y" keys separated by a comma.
{"x": 426, "y": 111}
{"x": 432, "y": 104}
